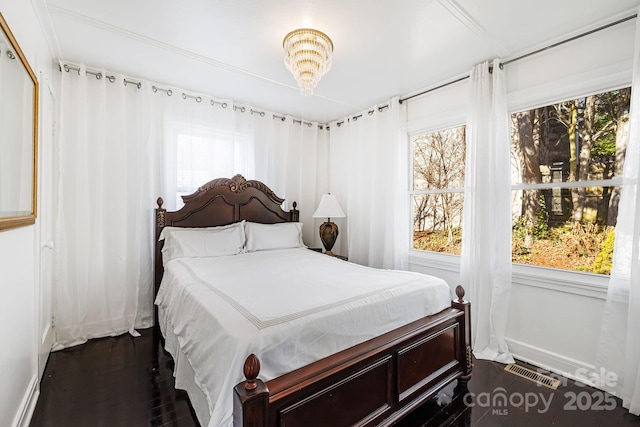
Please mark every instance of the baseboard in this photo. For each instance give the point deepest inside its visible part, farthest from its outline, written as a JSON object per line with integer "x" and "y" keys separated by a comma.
{"x": 568, "y": 367}
{"x": 28, "y": 404}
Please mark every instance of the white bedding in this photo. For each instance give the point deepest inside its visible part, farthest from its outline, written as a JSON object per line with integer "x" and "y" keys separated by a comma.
{"x": 290, "y": 307}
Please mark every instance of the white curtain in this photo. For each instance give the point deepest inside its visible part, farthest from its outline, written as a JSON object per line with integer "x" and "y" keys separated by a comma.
{"x": 369, "y": 175}
{"x": 104, "y": 191}
{"x": 199, "y": 140}
{"x": 486, "y": 228}
{"x": 619, "y": 346}
{"x": 121, "y": 146}
{"x": 282, "y": 140}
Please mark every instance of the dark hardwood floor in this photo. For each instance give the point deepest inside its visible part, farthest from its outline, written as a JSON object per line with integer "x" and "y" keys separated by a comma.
{"x": 108, "y": 382}
{"x": 497, "y": 398}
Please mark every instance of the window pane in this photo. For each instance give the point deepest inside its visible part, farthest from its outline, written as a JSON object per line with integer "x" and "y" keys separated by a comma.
{"x": 439, "y": 159}
{"x": 583, "y": 139}
{"x": 438, "y": 164}
{"x": 580, "y": 140}
{"x": 437, "y": 221}
{"x": 545, "y": 235}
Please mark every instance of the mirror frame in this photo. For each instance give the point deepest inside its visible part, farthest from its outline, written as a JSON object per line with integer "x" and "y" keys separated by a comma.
{"x": 24, "y": 220}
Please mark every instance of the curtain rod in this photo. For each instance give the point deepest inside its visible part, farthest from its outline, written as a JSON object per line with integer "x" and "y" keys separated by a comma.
{"x": 401, "y": 100}
{"x": 570, "y": 39}
{"x": 66, "y": 67}
{"x": 357, "y": 116}
{"x": 526, "y": 55}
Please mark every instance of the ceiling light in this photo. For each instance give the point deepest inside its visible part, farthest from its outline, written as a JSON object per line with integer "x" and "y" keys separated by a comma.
{"x": 307, "y": 54}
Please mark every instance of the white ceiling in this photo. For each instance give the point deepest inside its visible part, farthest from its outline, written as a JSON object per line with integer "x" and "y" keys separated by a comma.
{"x": 233, "y": 48}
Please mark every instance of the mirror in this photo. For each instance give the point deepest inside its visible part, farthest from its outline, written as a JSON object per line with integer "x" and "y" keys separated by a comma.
{"x": 18, "y": 134}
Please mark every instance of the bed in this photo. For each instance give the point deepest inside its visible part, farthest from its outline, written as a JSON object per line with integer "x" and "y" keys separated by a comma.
{"x": 269, "y": 333}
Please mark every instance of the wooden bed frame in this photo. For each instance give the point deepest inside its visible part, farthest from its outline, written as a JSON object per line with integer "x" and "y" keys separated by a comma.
{"x": 377, "y": 382}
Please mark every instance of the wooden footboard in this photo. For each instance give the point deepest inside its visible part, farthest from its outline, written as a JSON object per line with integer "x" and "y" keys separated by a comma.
{"x": 377, "y": 382}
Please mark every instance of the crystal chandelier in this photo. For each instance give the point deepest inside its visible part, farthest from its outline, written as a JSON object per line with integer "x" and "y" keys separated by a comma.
{"x": 307, "y": 54}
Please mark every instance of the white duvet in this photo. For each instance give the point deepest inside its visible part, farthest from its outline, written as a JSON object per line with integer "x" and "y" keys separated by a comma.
{"x": 290, "y": 307}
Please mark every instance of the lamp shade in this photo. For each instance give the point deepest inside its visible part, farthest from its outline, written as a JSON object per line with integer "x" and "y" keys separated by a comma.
{"x": 329, "y": 207}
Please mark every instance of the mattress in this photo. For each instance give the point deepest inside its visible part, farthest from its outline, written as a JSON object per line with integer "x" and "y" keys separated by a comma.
{"x": 290, "y": 307}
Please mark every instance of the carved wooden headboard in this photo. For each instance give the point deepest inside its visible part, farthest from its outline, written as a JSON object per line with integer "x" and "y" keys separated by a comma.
{"x": 222, "y": 201}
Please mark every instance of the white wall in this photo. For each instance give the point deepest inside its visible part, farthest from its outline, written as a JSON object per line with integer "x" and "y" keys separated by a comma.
{"x": 17, "y": 324}
{"x": 554, "y": 316}
{"x": 19, "y": 259}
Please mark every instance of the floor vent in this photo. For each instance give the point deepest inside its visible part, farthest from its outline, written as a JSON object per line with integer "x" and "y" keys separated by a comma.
{"x": 534, "y": 376}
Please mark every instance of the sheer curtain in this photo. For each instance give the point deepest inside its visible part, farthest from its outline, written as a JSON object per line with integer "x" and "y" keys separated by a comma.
{"x": 105, "y": 186}
{"x": 199, "y": 141}
{"x": 369, "y": 175}
{"x": 121, "y": 146}
{"x": 289, "y": 162}
{"x": 619, "y": 346}
{"x": 486, "y": 228}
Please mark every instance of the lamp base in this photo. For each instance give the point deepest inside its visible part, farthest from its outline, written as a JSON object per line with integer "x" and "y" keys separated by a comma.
{"x": 328, "y": 235}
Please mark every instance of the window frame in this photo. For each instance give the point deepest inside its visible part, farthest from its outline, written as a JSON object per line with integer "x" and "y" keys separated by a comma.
{"x": 412, "y": 192}
{"x": 566, "y": 281}
{"x": 611, "y": 182}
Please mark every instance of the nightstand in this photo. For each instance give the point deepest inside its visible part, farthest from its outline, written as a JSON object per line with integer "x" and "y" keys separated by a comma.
{"x": 342, "y": 257}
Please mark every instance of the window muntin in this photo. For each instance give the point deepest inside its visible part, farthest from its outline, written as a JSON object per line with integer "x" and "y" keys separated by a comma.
{"x": 566, "y": 162}
{"x": 437, "y": 189}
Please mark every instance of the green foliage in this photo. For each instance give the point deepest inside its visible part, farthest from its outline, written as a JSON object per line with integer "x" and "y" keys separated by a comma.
{"x": 520, "y": 229}
{"x": 605, "y": 144}
{"x": 604, "y": 259}
{"x": 604, "y": 147}
{"x": 610, "y": 106}
{"x": 540, "y": 230}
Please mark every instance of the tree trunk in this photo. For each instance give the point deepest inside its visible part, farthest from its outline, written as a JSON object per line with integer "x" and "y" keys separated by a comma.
{"x": 573, "y": 160}
{"x": 530, "y": 164}
{"x": 584, "y": 159}
{"x": 622, "y": 137}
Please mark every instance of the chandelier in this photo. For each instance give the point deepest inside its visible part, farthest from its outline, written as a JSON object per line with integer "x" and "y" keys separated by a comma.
{"x": 307, "y": 54}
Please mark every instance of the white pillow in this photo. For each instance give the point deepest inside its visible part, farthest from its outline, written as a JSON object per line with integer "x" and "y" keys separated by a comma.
{"x": 182, "y": 242}
{"x": 263, "y": 237}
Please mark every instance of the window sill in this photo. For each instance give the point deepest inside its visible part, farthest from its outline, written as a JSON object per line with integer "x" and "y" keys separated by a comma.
{"x": 447, "y": 262}
{"x": 572, "y": 282}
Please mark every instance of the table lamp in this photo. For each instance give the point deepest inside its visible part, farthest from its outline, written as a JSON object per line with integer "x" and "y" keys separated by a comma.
{"x": 328, "y": 208}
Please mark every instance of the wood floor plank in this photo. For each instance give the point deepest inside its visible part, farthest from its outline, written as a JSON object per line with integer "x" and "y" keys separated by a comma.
{"x": 108, "y": 382}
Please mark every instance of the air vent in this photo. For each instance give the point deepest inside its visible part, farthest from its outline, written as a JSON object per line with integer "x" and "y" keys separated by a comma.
{"x": 534, "y": 376}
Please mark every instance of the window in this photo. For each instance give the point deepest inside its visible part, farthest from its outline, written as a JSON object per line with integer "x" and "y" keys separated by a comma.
{"x": 437, "y": 191}
{"x": 566, "y": 160}
{"x": 204, "y": 153}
